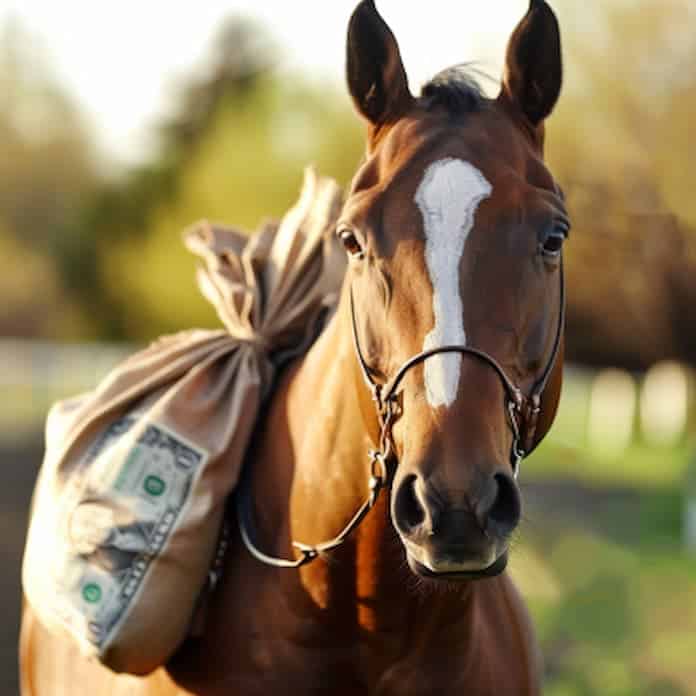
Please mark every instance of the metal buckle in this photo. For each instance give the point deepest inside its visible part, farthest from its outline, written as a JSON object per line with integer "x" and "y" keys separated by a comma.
{"x": 517, "y": 456}
{"x": 309, "y": 553}
{"x": 513, "y": 409}
{"x": 378, "y": 473}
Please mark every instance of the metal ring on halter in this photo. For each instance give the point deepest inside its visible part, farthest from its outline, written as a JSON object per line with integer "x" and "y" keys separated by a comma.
{"x": 517, "y": 453}
{"x": 518, "y": 456}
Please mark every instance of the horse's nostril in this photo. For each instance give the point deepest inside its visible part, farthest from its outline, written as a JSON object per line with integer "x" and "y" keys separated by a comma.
{"x": 506, "y": 509}
{"x": 409, "y": 512}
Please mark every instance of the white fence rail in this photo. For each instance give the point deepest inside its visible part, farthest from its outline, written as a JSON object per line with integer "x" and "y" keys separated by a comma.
{"x": 602, "y": 410}
{"x": 34, "y": 374}
{"x": 51, "y": 365}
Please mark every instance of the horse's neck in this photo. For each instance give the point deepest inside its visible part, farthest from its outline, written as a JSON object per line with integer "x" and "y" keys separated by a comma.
{"x": 326, "y": 406}
{"x": 328, "y": 434}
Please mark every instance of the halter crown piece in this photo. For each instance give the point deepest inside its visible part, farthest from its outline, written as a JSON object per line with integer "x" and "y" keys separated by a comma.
{"x": 522, "y": 413}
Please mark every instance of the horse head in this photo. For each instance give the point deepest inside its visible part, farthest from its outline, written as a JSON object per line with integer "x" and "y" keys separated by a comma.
{"x": 454, "y": 230}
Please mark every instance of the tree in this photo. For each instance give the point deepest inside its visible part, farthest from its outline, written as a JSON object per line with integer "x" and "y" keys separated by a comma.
{"x": 41, "y": 131}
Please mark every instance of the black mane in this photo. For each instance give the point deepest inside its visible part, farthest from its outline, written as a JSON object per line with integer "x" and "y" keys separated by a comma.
{"x": 455, "y": 89}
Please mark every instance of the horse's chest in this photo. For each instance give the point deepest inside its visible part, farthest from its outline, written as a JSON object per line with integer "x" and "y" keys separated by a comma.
{"x": 326, "y": 672}
{"x": 323, "y": 662}
{"x": 273, "y": 636}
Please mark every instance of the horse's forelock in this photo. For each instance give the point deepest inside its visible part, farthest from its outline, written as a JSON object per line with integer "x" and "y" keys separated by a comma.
{"x": 455, "y": 89}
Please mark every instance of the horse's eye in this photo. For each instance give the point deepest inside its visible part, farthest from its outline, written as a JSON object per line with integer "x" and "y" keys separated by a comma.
{"x": 552, "y": 245}
{"x": 351, "y": 243}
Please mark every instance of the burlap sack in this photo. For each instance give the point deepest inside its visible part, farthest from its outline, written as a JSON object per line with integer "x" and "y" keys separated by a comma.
{"x": 130, "y": 497}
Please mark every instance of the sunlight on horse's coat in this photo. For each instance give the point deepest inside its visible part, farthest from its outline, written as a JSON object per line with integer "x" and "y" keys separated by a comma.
{"x": 448, "y": 198}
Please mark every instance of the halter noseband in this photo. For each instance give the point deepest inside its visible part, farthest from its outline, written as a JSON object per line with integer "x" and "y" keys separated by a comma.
{"x": 522, "y": 412}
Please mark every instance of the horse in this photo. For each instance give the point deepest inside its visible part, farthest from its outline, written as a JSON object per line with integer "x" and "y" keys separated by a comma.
{"x": 439, "y": 371}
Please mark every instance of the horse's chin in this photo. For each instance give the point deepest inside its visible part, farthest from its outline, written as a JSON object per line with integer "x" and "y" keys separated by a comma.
{"x": 453, "y": 574}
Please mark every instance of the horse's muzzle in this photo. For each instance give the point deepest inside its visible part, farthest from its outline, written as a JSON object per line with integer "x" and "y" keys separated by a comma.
{"x": 466, "y": 538}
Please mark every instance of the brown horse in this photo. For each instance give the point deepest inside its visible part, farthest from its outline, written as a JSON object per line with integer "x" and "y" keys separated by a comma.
{"x": 453, "y": 302}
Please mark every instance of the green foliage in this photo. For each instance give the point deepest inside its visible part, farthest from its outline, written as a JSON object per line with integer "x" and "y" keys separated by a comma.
{"x": 620, "y": 143}
{"x": 236, "y": 144}
{"x": 46, "y": 169}
{"x": 33, "y": 299}
{"x": 233, "y": 152}
{"x": 246, "y": 167}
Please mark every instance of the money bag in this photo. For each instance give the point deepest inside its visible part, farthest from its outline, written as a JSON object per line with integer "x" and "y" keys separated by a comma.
{"x": 130, "y": 499}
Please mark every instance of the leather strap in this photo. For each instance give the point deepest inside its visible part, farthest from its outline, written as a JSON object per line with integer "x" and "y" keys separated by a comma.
{"x": 523, "y": 415}
{"x": 379, "y": 479}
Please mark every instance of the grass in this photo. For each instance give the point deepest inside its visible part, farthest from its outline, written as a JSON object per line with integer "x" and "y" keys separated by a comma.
{"x": 602, "y": 560}
{"x": 622, "y": 622}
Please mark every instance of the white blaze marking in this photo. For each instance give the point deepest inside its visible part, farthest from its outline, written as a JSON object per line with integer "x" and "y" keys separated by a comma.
{"x": 448, "y": 198}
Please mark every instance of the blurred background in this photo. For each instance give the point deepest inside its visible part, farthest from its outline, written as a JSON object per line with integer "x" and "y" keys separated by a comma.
{"x": 122, "y": 124}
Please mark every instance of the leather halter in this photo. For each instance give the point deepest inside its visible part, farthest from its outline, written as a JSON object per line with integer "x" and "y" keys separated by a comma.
{"x": 522, "y": 411}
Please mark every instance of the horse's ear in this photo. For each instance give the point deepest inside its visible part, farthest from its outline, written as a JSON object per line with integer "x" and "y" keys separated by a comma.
{"x": 376, "y": 77}
{"x": 534, "y": 66}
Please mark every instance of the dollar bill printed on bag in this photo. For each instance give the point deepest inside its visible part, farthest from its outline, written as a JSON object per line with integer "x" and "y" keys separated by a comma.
{"x": 140, "y": 479}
